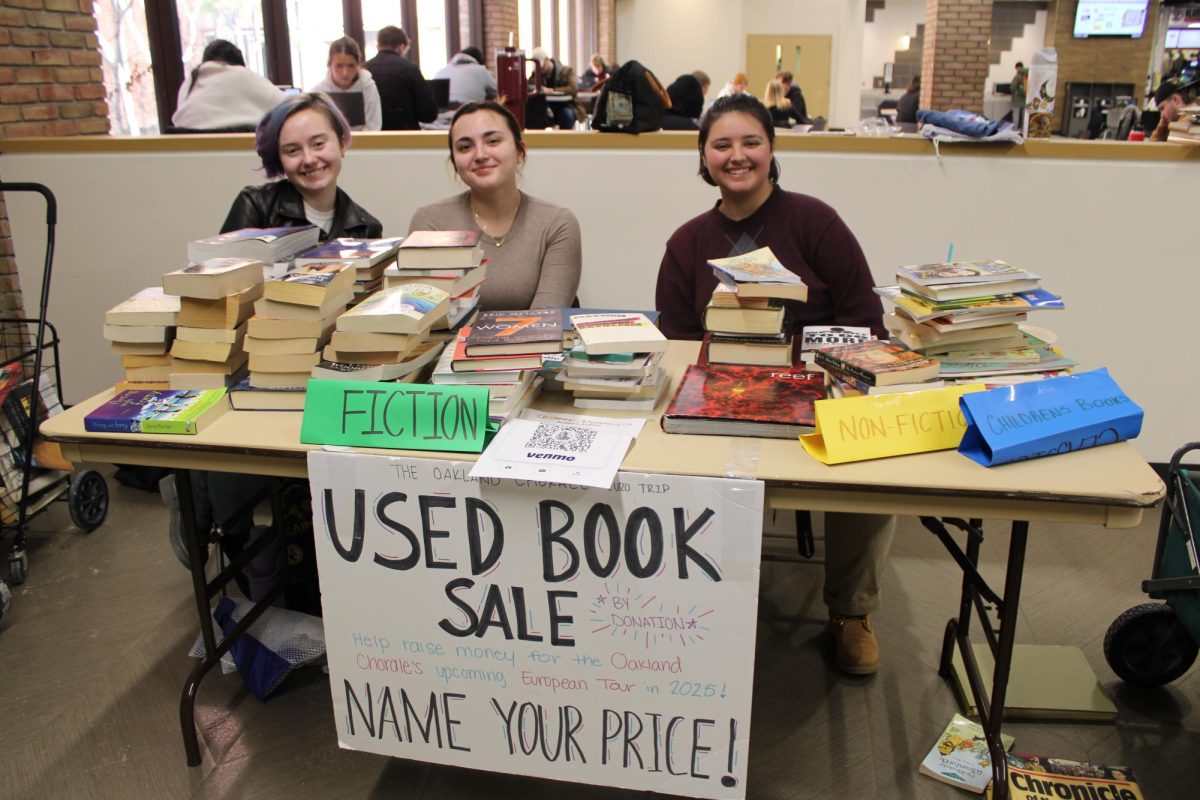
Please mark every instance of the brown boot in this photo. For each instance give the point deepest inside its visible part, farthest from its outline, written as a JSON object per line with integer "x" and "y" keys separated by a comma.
{"x": 856, "y": 650}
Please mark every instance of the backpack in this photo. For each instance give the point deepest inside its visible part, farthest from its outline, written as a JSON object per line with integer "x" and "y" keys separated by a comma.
{"x": 632, "y": 101}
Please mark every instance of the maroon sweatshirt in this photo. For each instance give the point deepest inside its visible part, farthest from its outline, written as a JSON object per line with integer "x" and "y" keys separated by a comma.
{"x": 807, "y": 236}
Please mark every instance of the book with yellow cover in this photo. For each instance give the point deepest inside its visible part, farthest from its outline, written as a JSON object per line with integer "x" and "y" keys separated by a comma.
{"x": 1037, "y": 777}
{"x": 960, "y": 757}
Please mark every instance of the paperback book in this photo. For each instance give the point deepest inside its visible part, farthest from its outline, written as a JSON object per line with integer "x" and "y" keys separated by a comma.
{"x": 819, "y": 337}
{"x": 961, "y": 757}
{"x": 312, "y": 284}
{"x": 266, "y": 245}
{"x": 410, "y": 308}
{"x": 150, "y": 306}
{"x": 1033, "y": 777}
{"x": 535, "y": 330}
{"x": 988, "y": 271}
{"x": 361, "y": 253}
{"x": 879, "y": 363}
{"x": 164, "y": 411}
{"x": 440, "y": 250}
{"x": 731, "y": 400}
{"x": 759, "y": 274}
{"x": 213, "y": 278}
{"x": 620, "y": 332}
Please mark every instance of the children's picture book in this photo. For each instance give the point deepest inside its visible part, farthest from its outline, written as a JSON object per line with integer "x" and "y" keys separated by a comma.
{"x": 534, "y": 330}
{"x": 150, "y": 306}
{"x": 157, "y": 411}
{"x": 879, "y": 363}
{"x": 618, "y": 332}
{"x": 1033, "y": 777}
{"x": 267, "y": 245}
{"x": 440, "y": 249}
{"x": 759, "y": 274}
{"x": 409, "y": 308}
{"x": 921, "y": 309}
{"x": 362, "y": 253}
{"x": 962, "y": 272}
{"x": 960, "y": 757}
{"x": 213, "y": 278}
{"x": 312, "y": 284}
{"x": 734, "y": 400}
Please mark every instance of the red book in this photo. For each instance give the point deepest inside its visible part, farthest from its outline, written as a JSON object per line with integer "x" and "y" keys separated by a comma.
{"x": 461, "y": 362}
{"x": 735, "y": 400}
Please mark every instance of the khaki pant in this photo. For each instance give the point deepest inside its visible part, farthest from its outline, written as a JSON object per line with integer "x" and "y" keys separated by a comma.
{"x": 855, "y": 548}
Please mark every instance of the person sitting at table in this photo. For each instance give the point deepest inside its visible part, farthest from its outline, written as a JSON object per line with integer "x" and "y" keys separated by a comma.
{"x": 783, "y": 114}
{"x": 736, "y": 144}
{"x": 533, "y": 248}
{"x": 791, "y": 90}
{"x": 222, "y": 94}
{"x": 558, "y": 77}
{"x": 470, "y": 80}
{"x": 737, "y": 85}
{"x": 593, "y": 78}
{"x": 346, "y": 74}
{"x": 687, "y": 104}
{"x": 302, "y": 140}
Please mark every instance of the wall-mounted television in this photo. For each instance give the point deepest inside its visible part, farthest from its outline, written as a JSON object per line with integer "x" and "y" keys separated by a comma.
{"x": 1110, "y": 18}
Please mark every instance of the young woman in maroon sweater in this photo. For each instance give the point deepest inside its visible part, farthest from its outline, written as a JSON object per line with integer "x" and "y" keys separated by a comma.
{"x": 809, "y": 238}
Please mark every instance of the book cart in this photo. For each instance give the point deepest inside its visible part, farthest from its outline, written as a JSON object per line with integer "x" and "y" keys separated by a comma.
{"x": 1152, "y": 644}
{"x": 30, "y": 382}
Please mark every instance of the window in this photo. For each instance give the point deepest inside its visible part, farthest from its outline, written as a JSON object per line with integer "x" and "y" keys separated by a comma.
{"x": 237, "y": 21}
{"x": 431, "y": 32}
{"x": 125, "y": 62}
{"x": 378, "y": 14}
{"x": 525, "y": 25}
{"x": 312, "y": 26}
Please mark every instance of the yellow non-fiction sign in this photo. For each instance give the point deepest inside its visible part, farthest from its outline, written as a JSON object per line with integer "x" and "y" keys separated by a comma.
{"x": 878, "y": 426}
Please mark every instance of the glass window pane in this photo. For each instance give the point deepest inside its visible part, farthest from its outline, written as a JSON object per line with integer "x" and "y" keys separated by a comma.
{"x": 547, "y": 26}
{"x": 312, "y": 25}
{"x": 466, "y": 36}
{"x": 237, "y": 21}
{"x": 431, "y": 32}
{"x": 378, "y": 14}
{"x": 525, "y": 23}
{"x": 566, "y": 42}
{"x": 125, "y": 62}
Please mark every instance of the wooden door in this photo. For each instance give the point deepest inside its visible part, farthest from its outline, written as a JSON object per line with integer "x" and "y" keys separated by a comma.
{"x": 806, "y": 57}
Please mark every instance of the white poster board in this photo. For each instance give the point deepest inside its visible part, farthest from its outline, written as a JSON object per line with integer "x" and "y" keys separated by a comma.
{"x": 604, "y": 636}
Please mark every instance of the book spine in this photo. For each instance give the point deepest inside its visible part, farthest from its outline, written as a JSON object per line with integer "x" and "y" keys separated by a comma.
{"x": 174, "y": 426}
{"x": 102, "y": 425}
{"x": 852, "y": 381}
{"x": 824, "y": 359}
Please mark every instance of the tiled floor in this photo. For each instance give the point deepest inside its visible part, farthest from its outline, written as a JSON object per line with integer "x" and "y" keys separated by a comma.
{"x": 93, "y": 655}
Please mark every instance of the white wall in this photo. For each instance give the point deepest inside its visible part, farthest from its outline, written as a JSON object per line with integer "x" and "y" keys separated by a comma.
{"x": 124, "y": 219}
{"x": 1032, "y": 40}
{"x": 881, "y": 38}
{"x": 677, "y": 36}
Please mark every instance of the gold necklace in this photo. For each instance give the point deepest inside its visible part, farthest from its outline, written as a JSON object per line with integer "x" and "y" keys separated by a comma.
{"x": 499, "y": 242}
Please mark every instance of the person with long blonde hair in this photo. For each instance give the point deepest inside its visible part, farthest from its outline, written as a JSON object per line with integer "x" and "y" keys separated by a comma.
{"x": 783, "y": 114}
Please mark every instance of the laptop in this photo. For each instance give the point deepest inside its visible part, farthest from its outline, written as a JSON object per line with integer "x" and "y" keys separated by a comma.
{"x": 351, "y": 106}
{"x": 441, "y": 91}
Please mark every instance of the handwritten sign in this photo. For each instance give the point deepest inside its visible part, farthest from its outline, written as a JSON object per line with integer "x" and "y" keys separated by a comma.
{"x": 604, "y": 636}
{"x": 1045, "y": 418}
{"x": 396, "y": 416}
{"x": 878, "y": 426}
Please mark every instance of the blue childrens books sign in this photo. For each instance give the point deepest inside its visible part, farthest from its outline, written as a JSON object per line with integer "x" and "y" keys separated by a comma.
{"x": 1045, "y": 418}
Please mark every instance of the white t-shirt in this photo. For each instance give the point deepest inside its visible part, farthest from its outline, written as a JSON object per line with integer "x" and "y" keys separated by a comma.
{"x": 322, "y": 219}
{"x": 372, "y": 108}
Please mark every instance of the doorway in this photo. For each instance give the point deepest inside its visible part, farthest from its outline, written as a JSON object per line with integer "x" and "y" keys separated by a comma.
{"x": 806, "y": 57}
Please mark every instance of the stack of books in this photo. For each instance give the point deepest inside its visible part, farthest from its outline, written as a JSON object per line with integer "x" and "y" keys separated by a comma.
{"x": 971, "y": 317}
{"x": 386, "y": 336}
{"x": 274, "y": 247}
{"x": 140, "y": 330}
{"x": 820, "y": 337}
{"x": 745, "y": 320}
{"x": 370, "y": 257}
{"x": 614, "y": 363}
{"x": 509, "y": 391}
{"x": 507, "y": 341}
{"x": 215, "y": 297}
{"x": 293, "y": 320}
{"x": 450, "y": 260}
{"x": 1186, "y": 127}
{"x": 875, "y": 367}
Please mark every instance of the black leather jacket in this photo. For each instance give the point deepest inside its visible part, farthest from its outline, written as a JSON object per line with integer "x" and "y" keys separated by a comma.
{"x": 279, "y": 205}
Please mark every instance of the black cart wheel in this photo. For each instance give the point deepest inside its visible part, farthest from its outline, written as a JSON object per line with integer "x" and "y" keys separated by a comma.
{"x": 88, "y": 500}
{"x": 18, "y": 567}
{"x": 1148, "y": 645}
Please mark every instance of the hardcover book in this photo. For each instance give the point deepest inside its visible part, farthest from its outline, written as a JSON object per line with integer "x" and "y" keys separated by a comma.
{"x": 618, "y": 332}
{"x": 165, "y": 411}
{"x": 461, "y": 362}
{"x": 535, "y": 330}
{"x": 362, "y": 253}
{"x": 312, "y": 284}
{"x": 247, "y": 397}
{"x": 731, "y": 400}
{"x": 879, "y": 363}
{"x": 764, "y": 351}
{"x": 960, "y": 756}
{"x": 150, "y": 306}
{"x": 1036, "y": 777}
{"x": 213, "y": 278}
{"x": 440, "y": 250}
{"x": 267, "y": 245}
{"x": 411, "y": 308}
{"x": 759, "y": 274}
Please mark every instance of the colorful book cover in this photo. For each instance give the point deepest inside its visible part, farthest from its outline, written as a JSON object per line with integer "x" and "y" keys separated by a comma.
{"x": 175, "y": 411}
{"x": 1033, "y": 777}
{"x": 267, "y": 235}
{"x": 412, "y": 302}
{"x": 619, "y": 332}
{"x": 492, "y": 329}
{"x": 744, "y": 400}
{"x": 439, "y": 239}
{"x": 818, "y": 337}
{"x": 321, "y": 273}
{"x": 360, "y": 252}
{"x": 757, "y": 266}
{"x": 921, "y": 309}
{"x": 962, "y": 272}
{"x": 879, "y": 363}
{"x": 961, "y": 757}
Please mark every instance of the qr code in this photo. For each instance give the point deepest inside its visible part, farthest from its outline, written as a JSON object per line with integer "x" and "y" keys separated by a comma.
{"x": 562, "y": 438}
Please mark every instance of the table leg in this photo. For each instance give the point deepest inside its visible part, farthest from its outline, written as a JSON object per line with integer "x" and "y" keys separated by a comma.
{"x": 197, "y": 557}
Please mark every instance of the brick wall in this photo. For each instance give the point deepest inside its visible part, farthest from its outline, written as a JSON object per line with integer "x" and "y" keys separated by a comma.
{"x": 499, "y": 17}
{"x": 954, "y": 59}
{"x": 606, "y": 30}
{"x": 50, "y": 85}
{"x": 1099, "y": 59}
